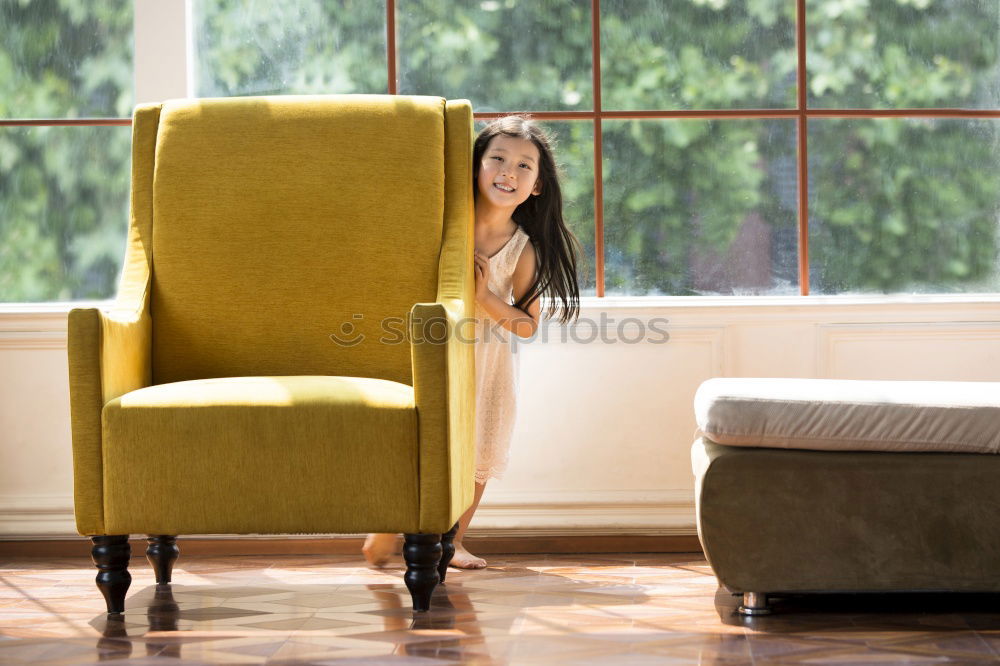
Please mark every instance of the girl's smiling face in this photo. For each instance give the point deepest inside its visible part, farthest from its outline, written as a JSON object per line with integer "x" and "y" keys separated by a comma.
{"x": 508, "y": 173}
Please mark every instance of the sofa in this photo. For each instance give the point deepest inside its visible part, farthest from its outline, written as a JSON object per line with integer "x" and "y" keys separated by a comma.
{"x": 817, "y": 485}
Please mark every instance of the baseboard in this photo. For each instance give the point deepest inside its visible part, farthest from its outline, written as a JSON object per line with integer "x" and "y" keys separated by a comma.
{"x": 351, "y": 545}
{"x": 503, "y": 514}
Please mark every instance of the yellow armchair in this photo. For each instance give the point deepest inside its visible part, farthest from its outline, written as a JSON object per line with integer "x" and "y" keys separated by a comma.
{"x": 291, "y": 346}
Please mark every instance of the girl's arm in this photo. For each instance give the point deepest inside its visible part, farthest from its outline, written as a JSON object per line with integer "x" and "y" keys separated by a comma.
{"x": 517, "y": 321}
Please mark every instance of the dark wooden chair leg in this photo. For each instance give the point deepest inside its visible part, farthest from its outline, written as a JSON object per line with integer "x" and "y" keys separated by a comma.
{"x": 162, "y": 552}
{"x": 447, "y": 551}
{"x": 111, "y": 555}
{"x": 422, "y": 553}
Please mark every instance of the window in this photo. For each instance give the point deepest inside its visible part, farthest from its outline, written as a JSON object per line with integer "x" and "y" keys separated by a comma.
{"x": 65, "y": 97}
{"x": 684, "y": 134}
{"x": 299, "y": 47}
{"x": 707, "y": 146}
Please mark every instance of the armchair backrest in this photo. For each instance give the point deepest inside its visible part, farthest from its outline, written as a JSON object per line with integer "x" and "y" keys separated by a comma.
{"x": 279, "y": 222}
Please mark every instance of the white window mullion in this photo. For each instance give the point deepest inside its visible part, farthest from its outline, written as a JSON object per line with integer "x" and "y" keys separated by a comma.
{"x": 163, "y": 53}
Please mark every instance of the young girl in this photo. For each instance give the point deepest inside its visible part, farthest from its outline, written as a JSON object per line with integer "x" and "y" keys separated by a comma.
{"x": 517, "y": 200}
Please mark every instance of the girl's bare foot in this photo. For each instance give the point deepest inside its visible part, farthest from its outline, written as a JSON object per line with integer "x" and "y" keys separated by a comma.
{"x": 463, "y": 559}
{"x": 379, "y": 548}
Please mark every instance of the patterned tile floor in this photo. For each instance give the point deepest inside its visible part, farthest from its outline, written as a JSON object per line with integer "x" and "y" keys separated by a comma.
{"x": 525, "y": 609}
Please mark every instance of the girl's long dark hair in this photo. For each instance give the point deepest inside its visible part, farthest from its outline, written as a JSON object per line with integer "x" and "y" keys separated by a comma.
{"x": 541, "y": 218}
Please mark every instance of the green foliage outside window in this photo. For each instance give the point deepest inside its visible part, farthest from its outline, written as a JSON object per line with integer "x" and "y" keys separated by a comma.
{"x": 300, "y": 47}
{"x": 691, "y": 206}
{"x": 63, "y": 190}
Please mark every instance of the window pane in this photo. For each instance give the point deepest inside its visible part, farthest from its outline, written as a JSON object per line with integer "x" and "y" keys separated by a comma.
{"x": 904, "y": 205}
{"x": 502, "y": 55}
{"x": 69, "y": 59}
{"x": 666, "y": 54}
{"x": 63, "y": 212}
{"x": 904, "y": 54}
{"x": 573, "y": 145}
{"x": 698, "y": 207}
{"x": 303, "y": 47}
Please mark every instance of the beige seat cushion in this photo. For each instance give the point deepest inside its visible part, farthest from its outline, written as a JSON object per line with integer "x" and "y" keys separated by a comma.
{"x": 851, "y": 415}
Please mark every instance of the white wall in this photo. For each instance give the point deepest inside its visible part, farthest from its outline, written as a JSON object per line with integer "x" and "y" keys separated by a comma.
{"x": 604, "y": 430}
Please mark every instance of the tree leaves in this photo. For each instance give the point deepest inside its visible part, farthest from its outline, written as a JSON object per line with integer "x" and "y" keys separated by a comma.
{"x": 895, "y": 204}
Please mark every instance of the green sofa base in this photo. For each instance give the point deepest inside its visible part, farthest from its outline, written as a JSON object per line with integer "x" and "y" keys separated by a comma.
{"x": 792, "y": 520}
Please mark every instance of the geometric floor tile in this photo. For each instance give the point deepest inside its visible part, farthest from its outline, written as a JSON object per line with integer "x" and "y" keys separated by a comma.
{"x": 524, "y": 609}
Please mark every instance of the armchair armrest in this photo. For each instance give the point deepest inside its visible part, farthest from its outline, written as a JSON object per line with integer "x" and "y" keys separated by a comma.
{"x": 442, "y": 338}
{"x": 109, "y": 354}
{"x": 444, "y": 384}
{"x": 110, "y": 351}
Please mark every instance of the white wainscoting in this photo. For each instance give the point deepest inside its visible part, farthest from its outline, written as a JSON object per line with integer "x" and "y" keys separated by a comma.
{"x": 604, "y": 427}
{"x": 908, "y": 350}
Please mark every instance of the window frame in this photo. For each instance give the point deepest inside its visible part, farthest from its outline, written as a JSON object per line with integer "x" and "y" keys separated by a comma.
{"x": 164, "y": 69}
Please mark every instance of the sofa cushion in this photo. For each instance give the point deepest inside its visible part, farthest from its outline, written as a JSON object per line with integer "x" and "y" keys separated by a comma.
{"x": 851, "y": 415}
{"x": 265, "y": 455}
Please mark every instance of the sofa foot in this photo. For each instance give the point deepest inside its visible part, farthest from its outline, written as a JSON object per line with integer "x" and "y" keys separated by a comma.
{"x": 422, "y": 553}
{"x": 111, "y": 555}
{"x": 162, "y": 552}
{"x": 755, "y": 603}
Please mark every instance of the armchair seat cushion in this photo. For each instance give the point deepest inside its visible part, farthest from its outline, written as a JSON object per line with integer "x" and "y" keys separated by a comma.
{"x": 265, "y": 455}
{"x": 851, "y": 415}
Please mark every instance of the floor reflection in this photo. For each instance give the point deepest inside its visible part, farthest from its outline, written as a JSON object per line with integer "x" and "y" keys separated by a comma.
{"x": 450, "y": 631}
{"x": 471, "y": 616}
{"x": 605, "y": 609}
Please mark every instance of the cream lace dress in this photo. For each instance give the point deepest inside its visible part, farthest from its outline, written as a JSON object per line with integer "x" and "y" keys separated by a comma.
{"x": 496, "y": 368}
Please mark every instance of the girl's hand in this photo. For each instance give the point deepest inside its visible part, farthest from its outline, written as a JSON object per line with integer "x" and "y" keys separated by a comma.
{"x": 482, "y": 268}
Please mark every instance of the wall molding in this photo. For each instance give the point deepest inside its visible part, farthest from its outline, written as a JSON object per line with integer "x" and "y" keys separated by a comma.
{"x": 25, "y": 340}
{"x": 502, "y": 514}
{"x": 607, "y": 512}
{"x": 33, "y": 320}
{"x": 834, "y": 335}
{"x": 720, "y": 309}
{"x": 39, "y": 516}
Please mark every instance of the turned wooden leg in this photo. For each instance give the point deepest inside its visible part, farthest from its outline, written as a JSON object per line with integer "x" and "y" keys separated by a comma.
{"x": 111, "y": 555}
{"x": 422, "y": 553}
{"x": 447, "y": 551}
{"x": 162, "y": 552}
